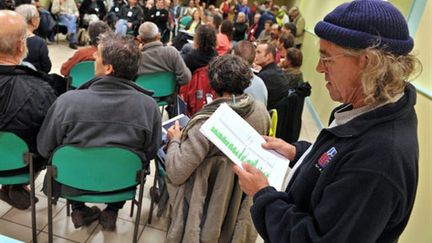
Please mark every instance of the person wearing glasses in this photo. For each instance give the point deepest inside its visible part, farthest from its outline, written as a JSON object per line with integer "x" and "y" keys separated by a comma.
{"x": 357, "y": 182}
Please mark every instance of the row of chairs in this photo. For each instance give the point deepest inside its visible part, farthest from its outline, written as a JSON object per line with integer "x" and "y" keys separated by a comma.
{"x": 99, "y": 169}
{"x": 81, "y": 168}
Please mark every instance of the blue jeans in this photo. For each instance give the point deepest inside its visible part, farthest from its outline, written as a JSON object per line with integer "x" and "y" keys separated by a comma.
{"x": 70, "y": 22}
{"x": 121, "y": 27}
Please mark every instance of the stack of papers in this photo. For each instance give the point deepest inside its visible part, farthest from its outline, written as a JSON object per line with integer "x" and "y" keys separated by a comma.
{"x": 240, "y": 142}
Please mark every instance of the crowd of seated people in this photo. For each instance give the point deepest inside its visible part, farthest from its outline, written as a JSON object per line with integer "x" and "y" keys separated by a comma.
{"x": 129, "y": 40}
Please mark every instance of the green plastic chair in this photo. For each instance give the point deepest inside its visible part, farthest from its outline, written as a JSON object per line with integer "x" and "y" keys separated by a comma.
{"x": 184, "y": 21}
{"x": 162, "y": 84}
{"x": 101, "y": 170}
{"x": 15, "y": 154}
{"x": 81, "y": 73}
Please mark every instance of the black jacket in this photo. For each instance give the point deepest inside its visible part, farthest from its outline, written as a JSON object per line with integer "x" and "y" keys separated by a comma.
{"x": 24, "y": 101}
{"x": 357, "y": 184}
{"x": 132, "y": 14}
{"x": 290, "y": 110}
{"x": 88, "y": 8}
{"x": 276, "y": 82}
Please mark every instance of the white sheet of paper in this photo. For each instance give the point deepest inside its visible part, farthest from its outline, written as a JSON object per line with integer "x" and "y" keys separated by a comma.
{"x": 242, "y": 143}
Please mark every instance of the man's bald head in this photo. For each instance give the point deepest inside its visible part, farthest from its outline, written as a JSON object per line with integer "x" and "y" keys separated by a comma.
{"x": 13, "y": 29}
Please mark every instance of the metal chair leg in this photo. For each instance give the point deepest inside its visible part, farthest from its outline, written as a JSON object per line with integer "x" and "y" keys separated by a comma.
{"x": 68, "y": 206}
{"x": 152, "y": 200}
{"x": 132, "y": 207}
{"x": 139, "y": 206}
{"x": 50, "y": 225}
{"x": 32, "y": 198}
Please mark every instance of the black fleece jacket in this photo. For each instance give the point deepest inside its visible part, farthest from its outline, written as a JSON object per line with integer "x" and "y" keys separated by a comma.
{"x": 357, "y": 184}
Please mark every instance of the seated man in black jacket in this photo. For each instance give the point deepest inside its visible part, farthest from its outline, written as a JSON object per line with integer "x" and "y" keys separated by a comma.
{"x": 91, "y": 11}
{"x": 24, "y": 99}
{"x": 130, "y": 18}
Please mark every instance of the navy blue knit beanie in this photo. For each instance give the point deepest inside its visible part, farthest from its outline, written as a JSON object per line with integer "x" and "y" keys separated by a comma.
{"x": 364, "y": 23}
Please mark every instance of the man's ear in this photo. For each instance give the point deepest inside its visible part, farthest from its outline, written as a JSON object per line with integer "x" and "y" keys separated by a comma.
{"x": 363, "y": 60}
{"x": 21, "y": 49}
{"x": 108, "y": 69}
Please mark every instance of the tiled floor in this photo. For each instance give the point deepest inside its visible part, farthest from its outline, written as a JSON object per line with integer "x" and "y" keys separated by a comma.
{"x": 17, "y": 224}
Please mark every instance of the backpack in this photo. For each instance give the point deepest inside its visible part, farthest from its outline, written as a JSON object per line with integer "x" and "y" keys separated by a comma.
{"x": 83, "y": 37}
{"x": 195, "y": 92}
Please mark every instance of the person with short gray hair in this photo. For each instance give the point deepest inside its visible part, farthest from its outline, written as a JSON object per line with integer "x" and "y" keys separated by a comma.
{"x": 109, "y": 110}
{"x": 37, "y": 49}
{"x": 95, "y": 29}
{"x": 158, "y": 58}
{"x": 25, "y": 97}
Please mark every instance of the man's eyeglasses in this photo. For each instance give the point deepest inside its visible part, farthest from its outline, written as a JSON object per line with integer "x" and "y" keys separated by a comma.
{"x": 326, "y": 60}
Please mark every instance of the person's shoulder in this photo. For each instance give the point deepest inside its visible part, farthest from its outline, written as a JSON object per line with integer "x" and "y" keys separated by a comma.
{"x": 36, "y": 40}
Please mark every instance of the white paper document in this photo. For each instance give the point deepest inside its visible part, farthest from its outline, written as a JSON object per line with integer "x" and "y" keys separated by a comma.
{"x": 242, "y": 143}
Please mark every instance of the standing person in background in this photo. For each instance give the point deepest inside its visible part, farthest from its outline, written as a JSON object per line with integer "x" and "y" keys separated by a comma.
{"x": 291, "y": 66}
{"x": 242, "y": 7}
{"x": 67, "y": 12}
{"x": 225, "y": 8}
{"x": 299, "y": 21}
{"x": 273, "y": 77}
{"x": 257, "y": 88}
{"x": 357, "y": 182}
{"x": 37, "y": 48}
{"x": 224, "y": 37}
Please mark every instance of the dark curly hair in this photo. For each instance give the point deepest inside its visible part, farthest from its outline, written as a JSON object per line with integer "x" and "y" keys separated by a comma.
{"x": 205, "y": 38}
{"x": 229, "y": 73}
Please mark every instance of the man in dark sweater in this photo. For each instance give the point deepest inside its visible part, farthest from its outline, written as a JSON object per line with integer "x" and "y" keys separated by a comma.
{"x": 357, "y": 182}
{"x": 109, "y": 110}
{"x": 274, "y": 78}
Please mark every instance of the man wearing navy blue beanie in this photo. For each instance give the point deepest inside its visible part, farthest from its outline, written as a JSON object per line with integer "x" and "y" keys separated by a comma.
{"x": 357, "y": 182}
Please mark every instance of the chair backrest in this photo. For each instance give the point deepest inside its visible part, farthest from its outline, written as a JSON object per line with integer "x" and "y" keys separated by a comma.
{"x": 99, "y": 169}
{"x": 161, "y": 83}
{"x": 184, "y": 21}
{"x": 81, "y": 73}
{"x": 12, "y": 150}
